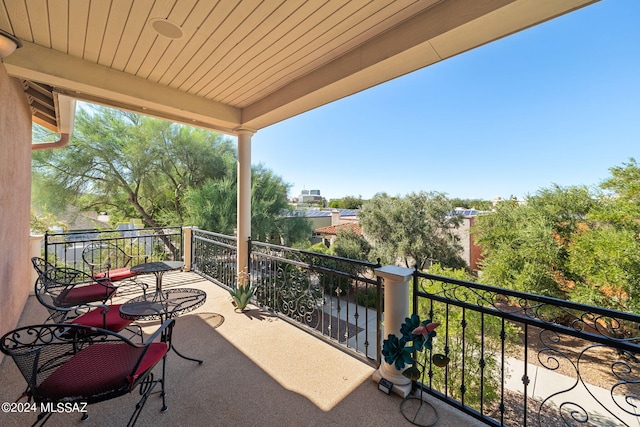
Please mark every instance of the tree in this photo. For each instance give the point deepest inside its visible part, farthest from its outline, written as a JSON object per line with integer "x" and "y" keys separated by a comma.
{"x": 525, "y": 246}
{"x": 349, "y": 244}
{"x": 569, "y": 243}
{"x": 625, "y": 181}
{"x": 40, "y": 222}
{"x": 416, "y": 229}
{"x": 212, "y": 206}
{"x": 133, "y": 166}
{"x": 348, "y": 202}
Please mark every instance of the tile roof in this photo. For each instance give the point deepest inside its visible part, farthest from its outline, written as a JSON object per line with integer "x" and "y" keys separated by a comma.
{"x": 334, "y": 229}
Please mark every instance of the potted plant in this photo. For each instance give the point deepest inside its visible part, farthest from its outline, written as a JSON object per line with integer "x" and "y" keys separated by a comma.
{"x": 242, "y": 291}
{"x": 417, "y": 337}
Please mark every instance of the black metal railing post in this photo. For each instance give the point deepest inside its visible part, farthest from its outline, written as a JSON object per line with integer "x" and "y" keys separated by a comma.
{"x": 46, "y": 246}
{"x": 249, "y": 255}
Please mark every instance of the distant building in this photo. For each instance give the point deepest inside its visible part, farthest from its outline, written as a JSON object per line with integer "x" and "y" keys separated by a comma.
{"x": 471, "y": 252}
{"x": 310, "y": 196}
{"x": 340, "y": 219}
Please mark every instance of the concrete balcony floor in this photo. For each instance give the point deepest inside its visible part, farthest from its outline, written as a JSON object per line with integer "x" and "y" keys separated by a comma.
{"x": 259, "y": 371}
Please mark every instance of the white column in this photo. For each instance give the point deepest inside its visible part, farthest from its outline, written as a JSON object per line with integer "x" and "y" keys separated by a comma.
{"x": 396, "y": 282}
{"x": 187, "y": 233}
{"x": 244, "y": 199}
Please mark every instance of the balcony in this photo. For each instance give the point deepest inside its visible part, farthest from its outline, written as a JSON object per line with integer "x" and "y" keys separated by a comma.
{"x": 306, "y": 352}
{"x": 258, "y": 370}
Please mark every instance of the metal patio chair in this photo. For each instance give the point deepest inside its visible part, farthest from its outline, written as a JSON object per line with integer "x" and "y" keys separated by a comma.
{"x": 107, "y": 260}
{"x": 76, "y": 364}
{"x": 104, "y": 316}
{"x": 70, "y": 287}
{"x": 41, "y": 265}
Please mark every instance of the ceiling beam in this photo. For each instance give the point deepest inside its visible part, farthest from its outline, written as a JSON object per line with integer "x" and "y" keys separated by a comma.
{"x": 96, "y": 83}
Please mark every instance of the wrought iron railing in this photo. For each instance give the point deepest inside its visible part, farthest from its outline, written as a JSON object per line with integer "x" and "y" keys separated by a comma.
{"x": 334, "y": 297}
{"x": 144, "y": 244}
{"x": 518, "y": 359}
{"x": 214, "y": 257}
{"x": 515, "y": 359}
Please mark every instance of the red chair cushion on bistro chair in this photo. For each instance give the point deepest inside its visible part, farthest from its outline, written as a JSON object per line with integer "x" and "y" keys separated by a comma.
{"x": 82, "y": 294}
{"x": 99, "y": 369}
{"x": 97, "y": 318}
{"x": 116, "y": 274}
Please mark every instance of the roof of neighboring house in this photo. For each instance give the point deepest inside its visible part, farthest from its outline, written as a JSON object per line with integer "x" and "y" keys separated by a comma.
{"x": 312, "y": 213}
{"x": 334, "y": 229}
{"x": 82, "y": 220}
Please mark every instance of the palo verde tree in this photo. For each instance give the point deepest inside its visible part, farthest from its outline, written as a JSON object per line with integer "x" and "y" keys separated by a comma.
{"x": 570, "y": 243}
{"x": 133, "y": 166}
{"x": 416, "y": 229}
{"x": 525, "y": 246}
{"x": 605, "y": 252}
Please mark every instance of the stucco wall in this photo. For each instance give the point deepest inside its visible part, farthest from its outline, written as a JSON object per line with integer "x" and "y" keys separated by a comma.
{"x": 15, "y": 197}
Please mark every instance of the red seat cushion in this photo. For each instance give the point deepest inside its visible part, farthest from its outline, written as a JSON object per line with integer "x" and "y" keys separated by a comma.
{"x": 96, "y": 319}
{"x": 98, "y": 369}
{"x": 81, "y": 294}
{"x": 116, "y": 274}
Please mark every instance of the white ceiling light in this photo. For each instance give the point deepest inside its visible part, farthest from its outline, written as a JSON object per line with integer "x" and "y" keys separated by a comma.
{"x": 166, "y": 28}
{"x": 8, "y": 43}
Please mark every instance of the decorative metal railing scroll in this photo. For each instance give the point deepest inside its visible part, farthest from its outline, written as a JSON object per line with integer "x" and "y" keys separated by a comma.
{"x": 335, "y": 297}
{"x": 520, "y": 359}
{"x": 144, "y": 244}
{"x": 214, "y": 256}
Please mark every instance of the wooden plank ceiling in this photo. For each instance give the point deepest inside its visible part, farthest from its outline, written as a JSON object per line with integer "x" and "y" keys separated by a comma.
{"x": 229, "y": 64}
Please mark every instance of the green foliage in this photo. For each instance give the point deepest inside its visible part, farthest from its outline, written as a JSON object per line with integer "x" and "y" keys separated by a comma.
{"x": 525, "y": 245}
{"x": 43, "y": 221}
{"x": 242, "y": 291}
{"x": 294, "y": 230}
{"x": 320, "y": 248}
{"x": 607, "y": 260}
{"x": 368, "y": 298}
{"x": 241, "y": 296}
{"x": 348, "y": 202}
{"x": 625, "y": 181}
{"x": 133, "y": 166}
{"x": 416, "y": 228}
{"x": 571, "y": 243}
{"x": 163, "y": 173}
{"x": 349, "y": 244}
{"x": 465, "y": 330}
{"x": 212, "y": 206}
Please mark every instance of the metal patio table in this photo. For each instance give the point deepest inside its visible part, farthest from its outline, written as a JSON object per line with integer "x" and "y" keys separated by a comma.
{"x": 157, "y": 268}
{"x": 164, "y": 305}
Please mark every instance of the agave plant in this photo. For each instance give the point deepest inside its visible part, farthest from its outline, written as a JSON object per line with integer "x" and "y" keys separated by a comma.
{"x": 242, "y": 291}
{"x": 416, "y": 337}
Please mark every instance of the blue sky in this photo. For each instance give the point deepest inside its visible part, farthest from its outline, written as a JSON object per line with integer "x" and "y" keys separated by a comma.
{"x": 555, "y": 104}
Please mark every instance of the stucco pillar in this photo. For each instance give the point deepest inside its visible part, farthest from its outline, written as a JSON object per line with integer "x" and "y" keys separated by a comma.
{"x": 244, "y": 200}
{"x": 396, "y": 282}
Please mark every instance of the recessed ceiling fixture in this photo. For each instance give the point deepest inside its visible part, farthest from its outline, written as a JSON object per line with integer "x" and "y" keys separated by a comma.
{"x": 166, "y": 28}
{"x": 8, "y": 43}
